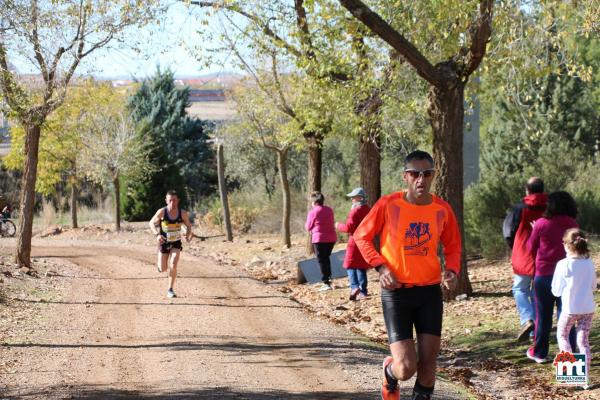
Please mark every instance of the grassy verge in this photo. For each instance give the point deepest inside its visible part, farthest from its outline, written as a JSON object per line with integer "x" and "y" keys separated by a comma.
{"x": 48, "y": 216}
{"x": 481, "y": 334}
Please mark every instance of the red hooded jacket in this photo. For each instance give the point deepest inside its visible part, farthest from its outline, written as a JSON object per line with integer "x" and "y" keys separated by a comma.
{"x": 532, "y": 208}
{"x": 354, "y": 258}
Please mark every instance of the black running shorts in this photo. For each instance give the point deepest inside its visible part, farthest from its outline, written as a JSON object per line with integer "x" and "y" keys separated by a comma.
{"x": 418, "y": 306}
{"x": 166, "y": 247}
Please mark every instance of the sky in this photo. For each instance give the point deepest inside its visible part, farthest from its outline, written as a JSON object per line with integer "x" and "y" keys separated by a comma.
{"x": 170, "y": 45}
{"x": 174, "y": 44}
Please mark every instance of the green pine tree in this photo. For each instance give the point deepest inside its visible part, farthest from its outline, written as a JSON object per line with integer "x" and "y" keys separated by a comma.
{"x": 552, "y": 131}
{"x": 183, "y": 160}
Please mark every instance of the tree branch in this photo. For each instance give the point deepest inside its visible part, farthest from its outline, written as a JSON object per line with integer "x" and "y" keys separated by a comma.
{"x": 288, "y": 110}
{"x": 262, "y": 25}
{"x": 13, "y": 93}
{"x": 80, "y": 54}
{"x": 372, "y": 20}
{"x": 35, "y": 40}
{"x": 284, "y": 107}
{"x": 302, "y": 24}
{"x": 480, "y": 33}
{"x": 278, "y": 40}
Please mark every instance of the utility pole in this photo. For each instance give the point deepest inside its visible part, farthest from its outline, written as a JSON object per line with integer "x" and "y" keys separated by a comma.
{"x": 222, "y": 186}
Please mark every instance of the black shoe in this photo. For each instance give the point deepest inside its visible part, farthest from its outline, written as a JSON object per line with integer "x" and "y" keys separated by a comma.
{"x": 420, "y": 396}
{"x": 525, "y": 331}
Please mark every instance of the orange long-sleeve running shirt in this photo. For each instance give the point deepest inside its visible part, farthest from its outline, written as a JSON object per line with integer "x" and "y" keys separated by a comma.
{"x": 409, "y": 237}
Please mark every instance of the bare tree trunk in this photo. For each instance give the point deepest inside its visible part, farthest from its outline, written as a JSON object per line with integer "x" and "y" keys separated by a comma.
{"x": 27, "y": 198}
{"x": 370, "y": 166}
{"x": 74, "y": 195}
{"x": 369, "y": 140}
{"x": 315, "y": 163}
{"x": 223, "y": 191}
{"x": 117, "y": 185}
{"x": 446, "y": 111}
{"x": 285, "y": 190}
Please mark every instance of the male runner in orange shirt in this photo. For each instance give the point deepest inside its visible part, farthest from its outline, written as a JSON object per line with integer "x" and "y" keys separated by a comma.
{"x": 411, "y": 225}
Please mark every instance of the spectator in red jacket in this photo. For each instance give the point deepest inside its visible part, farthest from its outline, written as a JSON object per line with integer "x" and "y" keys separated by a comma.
{"x": 354, "y": 262}
{"x": 517, "y": 229}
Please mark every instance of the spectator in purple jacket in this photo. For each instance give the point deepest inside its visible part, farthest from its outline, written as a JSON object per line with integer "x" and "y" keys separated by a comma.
{"x": 545, "y": 243}
{"x": 321, "y": 224}
{"x": 354, "y": 262}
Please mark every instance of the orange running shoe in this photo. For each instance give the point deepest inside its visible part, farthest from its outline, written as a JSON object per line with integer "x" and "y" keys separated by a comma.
{"x": 389, "y": 391}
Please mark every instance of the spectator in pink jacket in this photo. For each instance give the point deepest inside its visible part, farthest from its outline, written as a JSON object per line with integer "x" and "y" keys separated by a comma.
{"x": 354, "y": 262}
{"x": 546, "y": 246}
{"x": 320, "y": 223}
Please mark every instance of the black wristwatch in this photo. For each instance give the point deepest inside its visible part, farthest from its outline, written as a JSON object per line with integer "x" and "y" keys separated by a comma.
{"x": 378, "y": 268}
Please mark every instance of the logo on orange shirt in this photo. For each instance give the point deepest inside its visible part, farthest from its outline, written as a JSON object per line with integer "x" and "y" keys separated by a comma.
{"x": 416, "y": 237}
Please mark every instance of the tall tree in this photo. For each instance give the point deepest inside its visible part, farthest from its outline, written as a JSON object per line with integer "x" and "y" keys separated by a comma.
{"x": 178, "y": 147}
{"x": 308, "y": 34}
{"x": 445, "y": 42}
{"x": 447, "y": 80}
{"x": 60, "y": 141}
{"x": 274, "y": 130}
{"x": 54, "y": 37}
{"x": 551, "y": 130}
{"x": 112, "y": 150}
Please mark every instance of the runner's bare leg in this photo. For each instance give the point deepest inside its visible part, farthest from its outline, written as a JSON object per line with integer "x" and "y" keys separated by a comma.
{"x": 174, "y": 259}
{"x": 407, "y": 362}
{"x": 405, "y": 359}
{"x": 162, "y": 261}
{"x": 429, "y": 347}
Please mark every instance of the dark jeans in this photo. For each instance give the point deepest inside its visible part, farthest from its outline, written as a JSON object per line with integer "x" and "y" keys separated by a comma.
{"x": 323, "y": 251}
{"x": 544, "y": 307}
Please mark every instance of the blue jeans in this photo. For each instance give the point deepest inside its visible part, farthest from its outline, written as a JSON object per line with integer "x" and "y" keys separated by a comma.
{"x": 523, "y": 295}
{"x": 358, "y": 279}
{"x": 544, "y": 307}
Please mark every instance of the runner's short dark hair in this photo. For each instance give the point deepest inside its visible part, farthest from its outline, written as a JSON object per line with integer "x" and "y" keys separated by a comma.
{"x": 535, "y": 185}
{"x": 418, "y": 155}
{"x": 172, "y": 193}
{"x": 317, "y": 197}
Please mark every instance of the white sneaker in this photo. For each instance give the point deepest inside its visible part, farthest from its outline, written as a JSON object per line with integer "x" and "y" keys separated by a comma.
{"x": 171, "y": 293}
{"x": 324, "y": 287}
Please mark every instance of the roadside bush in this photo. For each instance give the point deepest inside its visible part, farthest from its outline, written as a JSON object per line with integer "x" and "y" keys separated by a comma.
{"x": 486, "y": 204}
{"x": 48, "y": 214}
{"x": 586, "y": 191}
{"x": 242, "y": 215}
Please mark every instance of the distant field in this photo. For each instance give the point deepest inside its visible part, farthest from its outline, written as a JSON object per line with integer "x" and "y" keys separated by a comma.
{"x": 4, "y": 148}
{"x": 208, "y": 110}
{"x": 213, "y": 110}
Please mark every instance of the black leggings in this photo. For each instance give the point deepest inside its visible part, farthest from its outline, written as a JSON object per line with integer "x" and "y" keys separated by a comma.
{"x": 323, "y": 251}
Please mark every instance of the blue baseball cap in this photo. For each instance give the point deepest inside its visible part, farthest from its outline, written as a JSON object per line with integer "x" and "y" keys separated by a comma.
{"x": 358, "y": 192}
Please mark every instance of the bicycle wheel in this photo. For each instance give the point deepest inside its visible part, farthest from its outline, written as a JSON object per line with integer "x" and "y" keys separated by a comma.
{"x": 8, "y": 228}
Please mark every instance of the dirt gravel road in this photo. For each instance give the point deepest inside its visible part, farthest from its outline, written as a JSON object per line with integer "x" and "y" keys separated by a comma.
{"x": 110, "y": 332}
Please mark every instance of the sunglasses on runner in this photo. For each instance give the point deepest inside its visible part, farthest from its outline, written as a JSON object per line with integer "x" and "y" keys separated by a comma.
{"x": 416, "y": 173}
